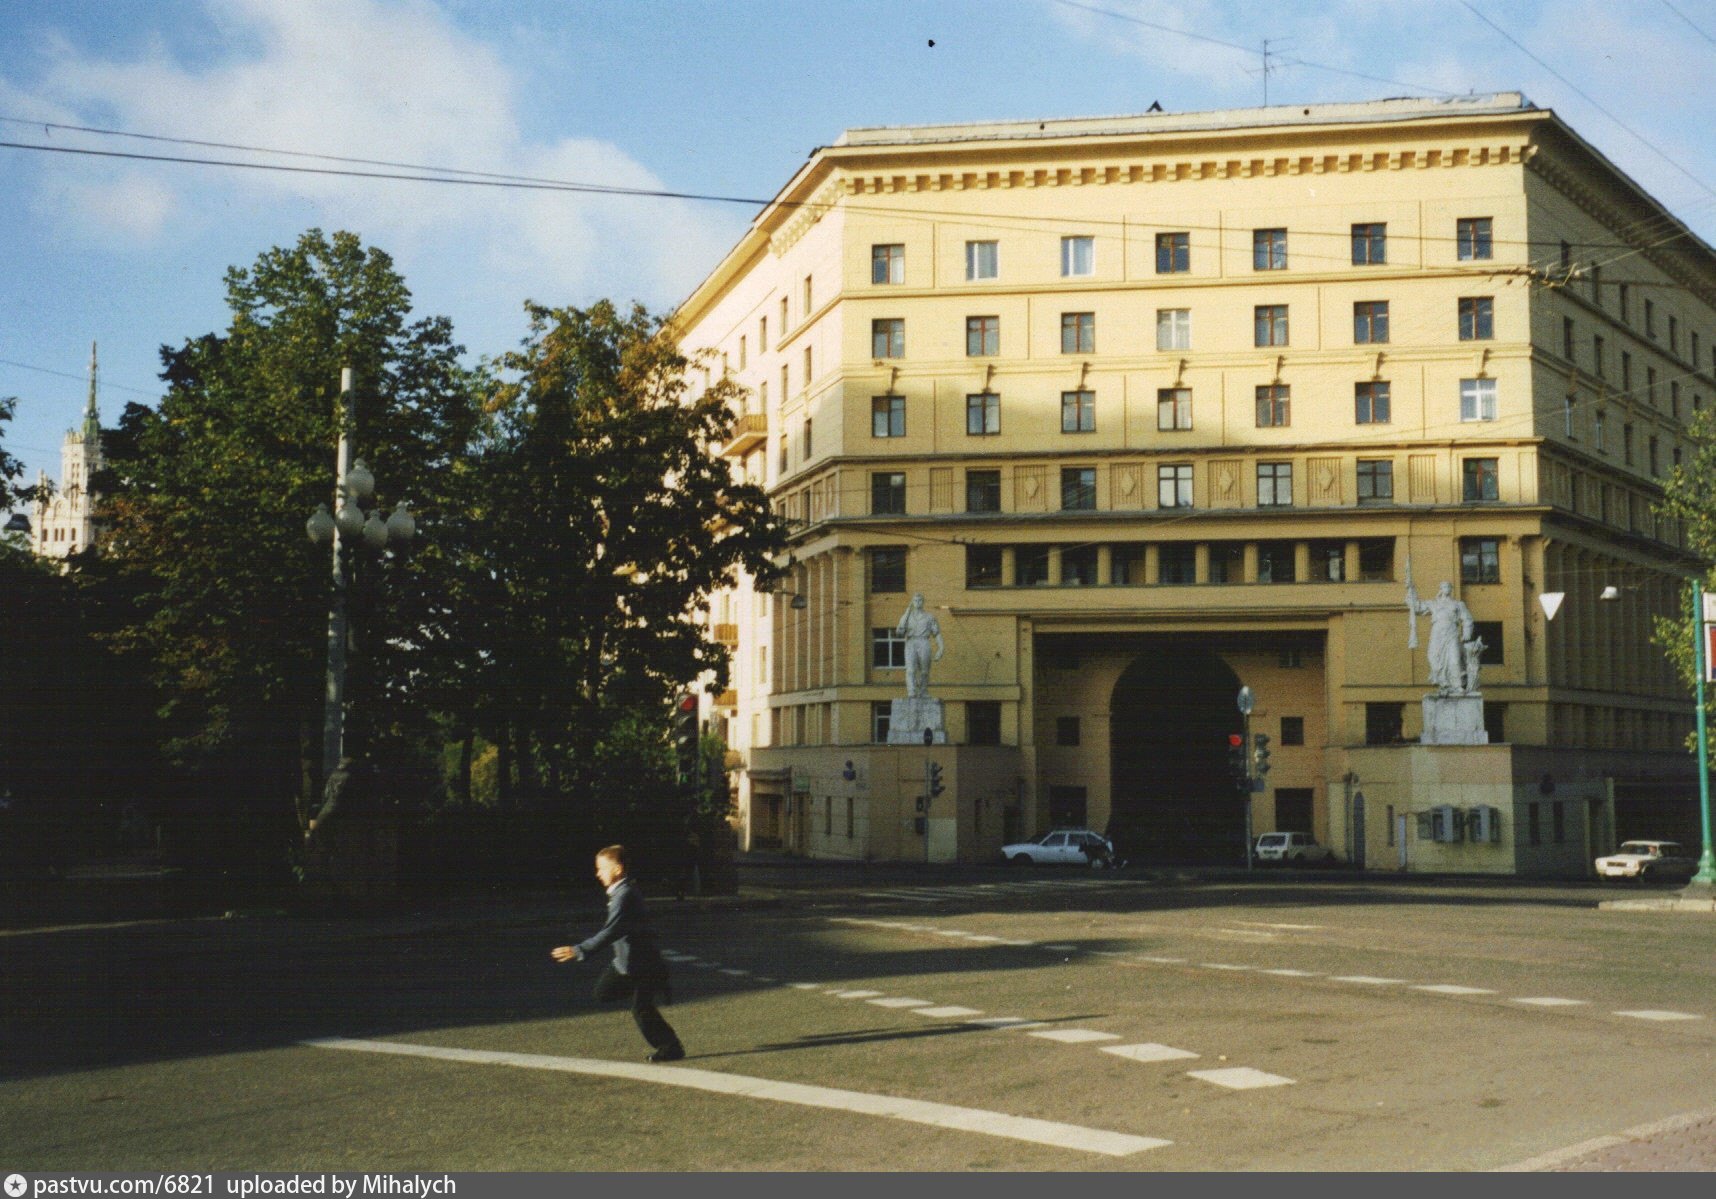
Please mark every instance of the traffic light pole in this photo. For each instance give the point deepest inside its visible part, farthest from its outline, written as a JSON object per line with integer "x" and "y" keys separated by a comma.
{"x": 1247, "y": 792}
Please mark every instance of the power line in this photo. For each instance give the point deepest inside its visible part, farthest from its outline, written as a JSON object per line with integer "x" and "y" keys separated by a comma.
{"x": 1700, "y": 32}
{"x": 83, "y": 378}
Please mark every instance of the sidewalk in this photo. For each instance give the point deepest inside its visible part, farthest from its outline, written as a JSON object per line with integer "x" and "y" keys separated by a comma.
{"x": 1680, "y": 1143}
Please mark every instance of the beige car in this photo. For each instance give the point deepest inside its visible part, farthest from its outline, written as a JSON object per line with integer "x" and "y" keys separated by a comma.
{"x": 1639, "y": 860}
{"x": 1291, "y": 847}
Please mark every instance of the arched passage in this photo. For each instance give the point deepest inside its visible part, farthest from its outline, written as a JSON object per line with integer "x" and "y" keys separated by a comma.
{"x": 1174, "y": 799}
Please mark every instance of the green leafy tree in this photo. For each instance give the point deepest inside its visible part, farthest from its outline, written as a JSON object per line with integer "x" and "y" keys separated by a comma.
{"x": 1689, "y": 496}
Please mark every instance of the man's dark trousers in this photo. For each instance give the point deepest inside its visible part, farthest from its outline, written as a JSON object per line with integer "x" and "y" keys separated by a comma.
{"x": 643, "y": 991}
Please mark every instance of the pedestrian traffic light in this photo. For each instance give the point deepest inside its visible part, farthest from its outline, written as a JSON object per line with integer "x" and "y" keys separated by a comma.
{"x": 932, "y": 779}
{"x": 685, "y": 737}
{"x": 1260, "y": 754}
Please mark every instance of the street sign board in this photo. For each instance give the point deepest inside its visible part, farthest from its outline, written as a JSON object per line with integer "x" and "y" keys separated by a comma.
{"x": 1710, "y": 653}
{"x": 1245, "y": 700}
{"x": 1710, "y": 607}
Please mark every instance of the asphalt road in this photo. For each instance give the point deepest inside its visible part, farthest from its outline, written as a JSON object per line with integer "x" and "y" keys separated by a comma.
{"x": 858, "y": 1020}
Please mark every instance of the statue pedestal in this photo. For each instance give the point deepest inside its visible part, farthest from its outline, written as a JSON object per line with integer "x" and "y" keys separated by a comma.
{"x": 910, "y": 719}
{"x": 1454, "y": 720}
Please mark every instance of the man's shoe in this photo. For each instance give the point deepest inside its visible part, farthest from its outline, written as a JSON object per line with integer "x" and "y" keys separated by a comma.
{"x": 672, "y": 1053}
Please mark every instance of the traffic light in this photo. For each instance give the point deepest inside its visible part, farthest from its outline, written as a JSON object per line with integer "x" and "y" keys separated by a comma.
{"x": 1236, "y": 764}
{"x": 685, "y": 737}
{"x": 1260, "y": 754}
{"x": 932, "y": 779}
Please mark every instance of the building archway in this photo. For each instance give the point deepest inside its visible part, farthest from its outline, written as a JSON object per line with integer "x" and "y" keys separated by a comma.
{"x": 1173, "y": 795}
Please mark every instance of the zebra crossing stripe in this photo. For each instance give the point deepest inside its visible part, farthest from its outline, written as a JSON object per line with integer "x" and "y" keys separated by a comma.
{"x": 1240, "y": 1078}
{"x": 1148, "y": 1052}
{"x": 1656, "y": 1014}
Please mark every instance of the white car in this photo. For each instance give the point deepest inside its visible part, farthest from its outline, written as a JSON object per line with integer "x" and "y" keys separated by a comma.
{"x": 1648, "y": 859}
{"x": 1291, "y": 847}
{"x": 1062, "y": 847}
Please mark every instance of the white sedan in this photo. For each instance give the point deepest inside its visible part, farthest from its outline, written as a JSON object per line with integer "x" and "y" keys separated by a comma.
{"x": 1062, "y": 846}
{"x": 1640, "y": 860}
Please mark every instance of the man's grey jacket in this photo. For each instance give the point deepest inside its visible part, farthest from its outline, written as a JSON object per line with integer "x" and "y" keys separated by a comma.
{"x": 627, "y": 929}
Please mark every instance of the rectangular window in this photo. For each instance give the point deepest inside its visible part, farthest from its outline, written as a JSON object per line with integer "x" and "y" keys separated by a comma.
{"x": 1626, "y": 371}
{"x": 888, "y": 493}
{"x": 1174, "y": 409}
{"x": 785, "y": 389}
{"x": 1078, "y": 488}
{"x": 1376, "y": 559}
{"x": 887, "y": 569}
{"x": 1371, "y": 403}
{"x": 1078, "y": 332}
{"x": 1066, "y": 730}
{"x": 1078, "y": 255}
{"x": 1274, "y": 484}
{"x": 1292, "y": 730}
{"x": 1567, "y": 338}
{"x": 1370, "y": 244}
{"x": 887, "y": 649}
{"x": 888, "y": 416}
{"x": 1383, "y": 725}
{"x": 1276, "y": 562}
{"x": 1078, "y": 412}
{"x": 1650, "y": 319}
{"x": 1480, "y": 560}
{"x": 1173, "y": 253}
{"x": 1490, "y": 633}
{"x": 744, "y": 355}
{"x": 1674, "y": 335}
{"x": 1597, "y": 356}
{"x": 762, "y": 334}
{"x": 1477, "y": 318}
{"x": 1328, "y": 560}
{"x": 1274, "y": 402}
{"x": 1478, "y": 480}
{"x": 1269, "y": 249}
{"x": 1375, "y": 480}
{"x": 1174, "y": 486}
{"x": 982, "y": 336}
{"x": 983, "y": 491}
{"x": 1599, "y": 434}
{"x": 809, "y": 298}
{"x": 888, "y": 263}
{"x": 1227, "y": 561}
{"x": 881, "y": 718}
{"x": 983, "y": 414}
{"x": 1270, "y": 325}
{"x": 888, "y": 338}
{"x": 1569, "y": 406}
{"x": 1650, "y": 385}
{"x": 1127, "y": 564}
{"x": 1032, "y": 564}
{"x": 1622, "y": 294}
{"x": 805, "y": 440}
{"x": 1370, "y": 322}
{"x": 982, "y": 722}
{"x": 1173, "y": 328}
{"x": 849, "y": 820}
{"x": 1472, "y": 237}
{"x": 1652, "y": 460}
{"x": 1627, "y": 444}
{"x": 784, "y": 325}
{"x": 1078, "y": 565}
{"x": 1674, "y": 399}
{"x": 1477, "y": 399}
{"x": 982, "y": 259}
{"x": 1177, "y": 563}
{"x": 983, "y": 566}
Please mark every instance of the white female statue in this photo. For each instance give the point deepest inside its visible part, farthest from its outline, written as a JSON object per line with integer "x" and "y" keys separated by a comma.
{"x": 1450, "y": 629}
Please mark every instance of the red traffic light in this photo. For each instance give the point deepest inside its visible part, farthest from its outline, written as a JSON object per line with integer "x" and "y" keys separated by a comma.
{"x": 688, "y": 703}
{"x": 1234, "y": 740}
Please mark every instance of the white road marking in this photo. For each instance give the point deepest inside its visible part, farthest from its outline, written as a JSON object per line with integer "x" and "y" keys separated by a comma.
{"x": 1452, "y": 989}
{"x": 736, "y": 973}
{"x": 1366, "y": 979}
{"x": 1550, "y": 1001}
{"x": 855, "y": 994}
{"x": 952, "y": 932}
{"x": 1162, "y": 961}
{"x": 947, "y": 1011}
{"x": 901, "y": 1001}
{"x": 1059, "y": 948}
{"x": 1658, "y": 1014}
{"x": 892, "y": 895}
{"x": 1268, "y": 924}
{"x": 1283, "y": 973}
{"x": 1240, "y": 1078}
{"x": 1007, "y": 1022}
{"x": 989, "y": 937}
{"x": 916, "y": 1111}
{"x": 1222, "y": 966}
{"x": 1075, "y": 1036}
{"x": 763, "y": 978}
{"x": 806, "y": 986}
{"x": 1148, "y": 1052}
{"x": 1012, "y": 941}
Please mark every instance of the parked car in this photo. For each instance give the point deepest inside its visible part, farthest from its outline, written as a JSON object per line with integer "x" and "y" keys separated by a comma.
{"x": 1062, "y": 846}
{"x": 1639, "y": 860}
{"x": 1291, "y": 847}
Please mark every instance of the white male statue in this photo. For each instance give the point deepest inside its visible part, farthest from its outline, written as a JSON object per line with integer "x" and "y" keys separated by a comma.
{"x": 919, "y": 628}
{"x": 1450, "y": 629}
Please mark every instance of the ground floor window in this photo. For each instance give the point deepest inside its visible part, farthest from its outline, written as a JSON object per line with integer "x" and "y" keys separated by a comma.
{"x": 1293, "y": 809}
{"x": 983, "y": 722}
{"x": 1067, "y": 807}
{"x": 881, "y": 716}
{"x": 1382, "y": 724}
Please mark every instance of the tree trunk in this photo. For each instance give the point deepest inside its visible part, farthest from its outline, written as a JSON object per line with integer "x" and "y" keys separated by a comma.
{"x": 462, "y": 783}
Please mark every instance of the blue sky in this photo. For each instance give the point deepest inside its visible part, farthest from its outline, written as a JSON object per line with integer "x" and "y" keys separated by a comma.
{"x": 710, "y": 97}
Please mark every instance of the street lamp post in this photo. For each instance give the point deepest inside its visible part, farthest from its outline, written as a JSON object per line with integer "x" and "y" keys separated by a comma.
{"x": 1706, "y": 876}
{"x": 354, "y": 485}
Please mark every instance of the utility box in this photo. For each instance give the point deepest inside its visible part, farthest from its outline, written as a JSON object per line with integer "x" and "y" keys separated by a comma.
{"x": 1483, "y": 824}
{"x": 1440, "y": 823}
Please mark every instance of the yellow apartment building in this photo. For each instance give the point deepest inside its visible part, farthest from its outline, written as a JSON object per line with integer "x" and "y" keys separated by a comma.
{"x": 1149, "y": 409}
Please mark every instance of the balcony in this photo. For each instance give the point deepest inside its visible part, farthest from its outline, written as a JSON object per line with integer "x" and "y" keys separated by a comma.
{"x": 726, "y": 634}
{"x": 750, "y": 430}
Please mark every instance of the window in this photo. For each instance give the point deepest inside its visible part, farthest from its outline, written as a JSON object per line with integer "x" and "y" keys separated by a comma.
{"x": 1173, "y": 328}
{"x": 888, "y": 493}
{"x": 1490, "y": 633}
{"x": 1275, "y": 562}
{"x": 888, "y": 264}
{"x": 982, "y": 259}
{"x": 1078, "y": 488}
{"x": 1651, "y": 459}
{"x": 888, "y": 416}
{"x": 1674, "y": 335}
{"x": 1032, "y": 564}
{"x": 1626, "y": 371}
{"x": 1597, "y": 356}
{"x": 1477, "y": 318}
{"x": 887, "y": 649}
{"x": 1078, "y": 332}
{"x": 983, "y": 491}
{"x": 1078, "y": 412}
{"x": 1472, "y": 237}
{"x": 1650, "y": 319}
{"x": 982, "y": 722}
{"x": 1328, "y": 561}
{"x": 1173, "y": 253}
{"x": 1375, "y": 480}
{"x": 1692, "y": 355}
{"x": 982, "y": 336}
{"x": 1569, "y": 406}
{"x": 1622, "y": 293}
{"x": 1270, "y": 324}
{"x": 1477, "y": 399}
{"x": 983, "y": 566}
{"x": 982, "y": 414}
{"x": 783, "y": 315}
{"x": 1370, "y": 322}
{"x": 1292, "y": 730}
{"x": 849, "y": 821}
{"x": 809, "y": 297}
{"x": 1599, "y": 425}
{"x": 1274, "y": 484}
{"x": 806, "y": 439}
{"x": 1174, "y": 409}
{"x": 785, "y": 389}
{"x": 1567, "y": 338}
{"x": 1627, "y": 444}
{"x": 1371, "y": 403}
{"x": 1674, "y": 399}
{"x": 744, "y": 355}
{"x": 1078, "y": 565}
{"x": 1177, "y": 563}
{"x": 887, "y": 569}
{"x": 1066, "y": 730}
{"x": 1383, "y": 726}
{"x": 1370, "y": 245}
{"x": 1566, "y": 257}
{"x": 1650, "y": 385}
{"x": 1269, "y": 249}
{"x": 1480, "y": 560}
{"x": 1127, "y": 564}
{"x": 1174, "y": 486}
{"x": 1478, "y": 480}
{"x": 881, "y": 718}
{"x": 762, "y": 334}
{"x": 1376, "y": 559}
{"x": 783, "y": 456}
{"x": 1273, "y": 405}
{"x": 1078, "y": 255}
{"x": 888, "y": 338}
{"x": 1227, "y": 561}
